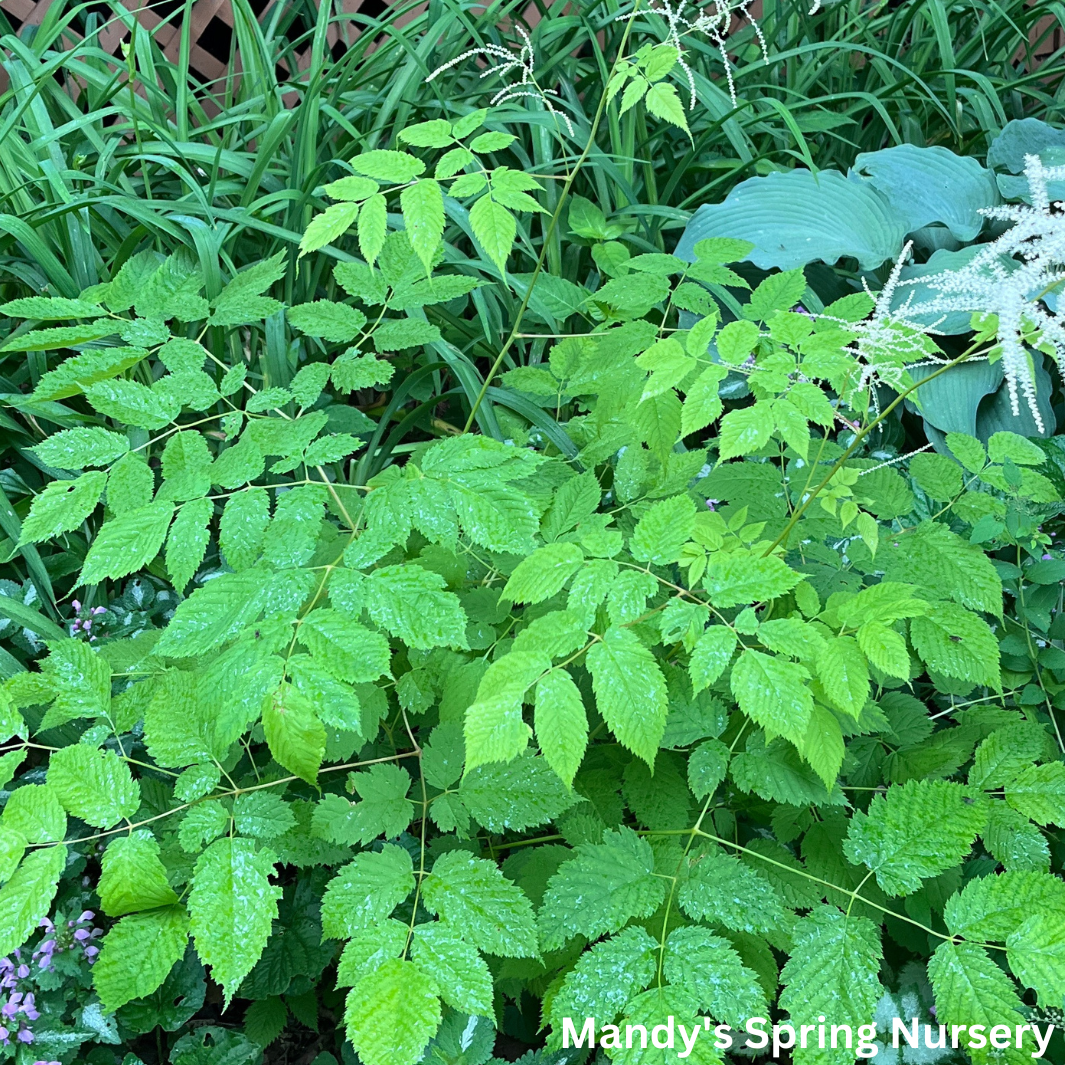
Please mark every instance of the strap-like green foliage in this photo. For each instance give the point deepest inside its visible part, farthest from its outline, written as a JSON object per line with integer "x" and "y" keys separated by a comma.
{"x": 633, "y": 715}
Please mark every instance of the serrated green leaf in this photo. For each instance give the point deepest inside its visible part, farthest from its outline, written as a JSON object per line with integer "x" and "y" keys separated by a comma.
{"x": 132, "y": 876}
{"x": 232, "y": 905}
{"x": 27, "y": 896}
{"x": 137, "y": 954}
{"x": 366, "y": 891}
{"x": 630, "y": 691}
{"x": 473, "y": 896}
{"x": 74, "y": 449}
{"x": 294, "y": 734}
{"x": 915, "y": 831}
{"x": 600, "y": 889}
{"x": 127, "y": 543}
{"x": 95, "y": 785}
{"x": 709, "y": 969}
{"x": 392, "y": 1014}
{"x": 62, "y": 507}
{"x": 561, "y": 723}
{"x": 543, "y": 574}
{"x": 459, "y": 973}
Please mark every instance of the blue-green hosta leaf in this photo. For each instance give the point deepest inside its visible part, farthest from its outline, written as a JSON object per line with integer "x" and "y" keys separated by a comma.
{"x": 601, "y": 889}
{"x": 27, "y": 896}
{"x": 95, "y": 785}
{"x": 232, "y": 905}
{"x": 708, "y": 968}
{"x": 605, "y": 978}
{"x": 630, "y": 691}
{"x": 132, "y": 876}
{"x": 834, "y": 967}
{"x": 915, "y": 831}
{"x": 392, "y": 1013}
{"x": 460, "y": 974}
{"x": 474, "y": 897}
{"x": 797, "y": 217}
{"x": 136, "y": 956}
{"x": 931, "y": 185}
{"x": 366, "y": 891}
{"x": 723, "y": 890}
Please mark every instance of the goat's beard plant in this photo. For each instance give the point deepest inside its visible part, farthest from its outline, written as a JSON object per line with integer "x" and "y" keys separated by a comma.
{"x": 630, "y": 715}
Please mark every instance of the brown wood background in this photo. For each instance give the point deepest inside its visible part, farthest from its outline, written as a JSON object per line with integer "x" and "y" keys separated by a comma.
{"x": 212, "y": 28}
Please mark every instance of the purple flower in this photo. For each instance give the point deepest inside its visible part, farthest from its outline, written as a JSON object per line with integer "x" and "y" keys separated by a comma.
{"x": 25, "y": 1035}
{"x": 712, "y": 503}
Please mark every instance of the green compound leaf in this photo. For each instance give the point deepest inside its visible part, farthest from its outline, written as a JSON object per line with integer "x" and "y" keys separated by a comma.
{"x": 605, "y": 978}
{"x": 971, "y": 989}
{"x": 94, "y": 785}
{"x": 133, "y": 876}
{"x": 723, "y": 890}
{"x": 127, "y": 543}
{"x": 543, "y": 573}
{"x": 561, "y": 723}
{"x": 663, "y": 530}
{"x": 74, "y": 449}
{"x": 1036, "y": 953}
{"x": 392, "y": 1014}
{"x": 708, "y": 968}
{"x": 410, "y": 602}
{"x": 27, "y": 896}
{"x": 601, "y": 889}
{"x": 232, "y": 905}
{"x": 630, "y": 691}
{"x": 834, "y": 967}
{"x": 475, "y": 898}
{"x": 62, "y": 507}
{"x": 366, "y": 891}
{"x": 773, "y": 692}
{"x": 460, "y": 974}
{"x": 136, "y": 956}
{"x": 957, "y": 643}
{"x": 914, "y": 832}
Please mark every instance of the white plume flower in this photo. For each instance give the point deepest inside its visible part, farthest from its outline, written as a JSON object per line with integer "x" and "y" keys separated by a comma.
{"x": 505, "y": 60}
{"x": 1009, "y": 278}
{"x": 713, "y": 21}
